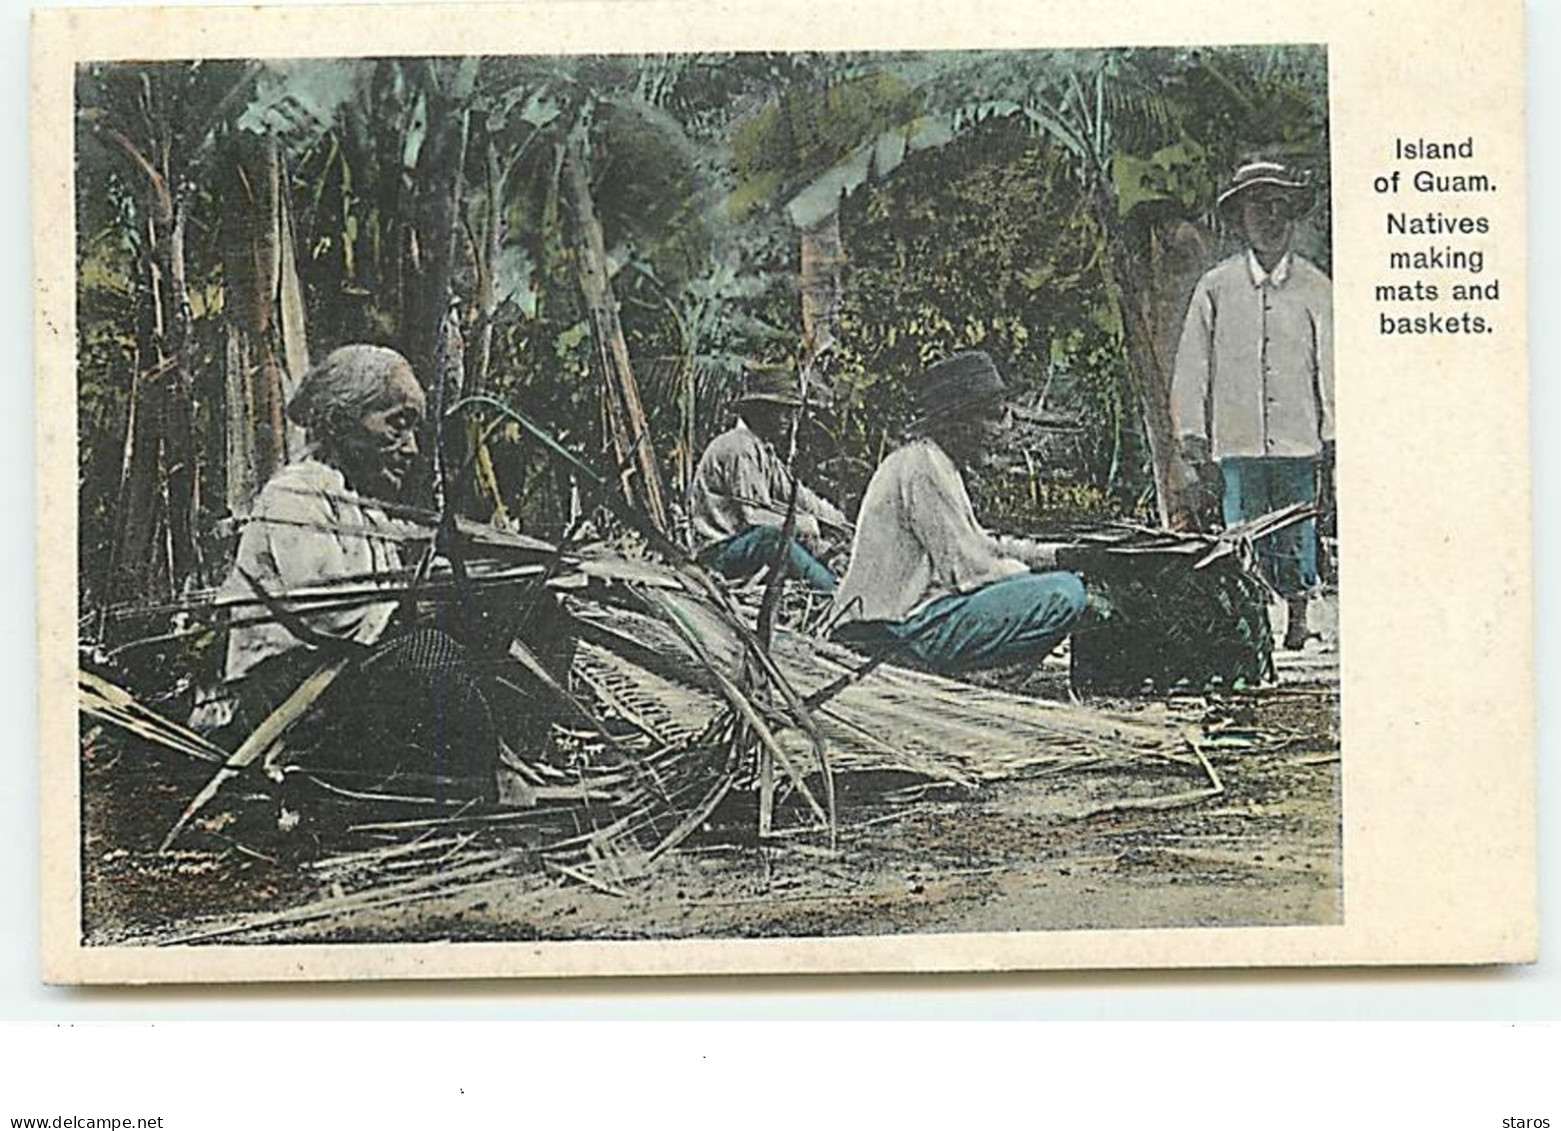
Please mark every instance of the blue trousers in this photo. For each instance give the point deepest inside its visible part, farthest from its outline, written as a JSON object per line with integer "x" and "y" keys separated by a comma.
{"x": 743, "y": 555}
{"x": 1017, "y": 619}
{"x": 1253, "y": 488}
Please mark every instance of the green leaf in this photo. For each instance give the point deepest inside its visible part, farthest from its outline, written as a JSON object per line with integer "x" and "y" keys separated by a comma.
{"x": 1134, "y": 179}
{"x": 567, "y": 342}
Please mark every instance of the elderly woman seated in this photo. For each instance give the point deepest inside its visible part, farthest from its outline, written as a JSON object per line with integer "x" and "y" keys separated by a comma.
{"x": 409, "y": 706}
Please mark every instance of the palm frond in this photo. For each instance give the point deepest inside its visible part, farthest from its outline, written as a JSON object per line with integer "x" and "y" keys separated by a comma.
{"x": 264, "y": 740}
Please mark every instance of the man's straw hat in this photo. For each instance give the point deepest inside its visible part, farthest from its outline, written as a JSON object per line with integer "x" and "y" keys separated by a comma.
{"x": 959, "y": 385}
{"x": 777, "y": 384}
{"x": 1271, "y": 173}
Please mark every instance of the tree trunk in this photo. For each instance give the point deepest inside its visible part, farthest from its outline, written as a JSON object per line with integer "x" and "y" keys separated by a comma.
{"x": 487, "y": 255}
{"x": 429, "y": 270}
{"x": 436, "y": 213}
{"x": 480, "y": 360}
{"x": 155, "y": 546}
{"x": 1151, "y": 366}
{"x": 625, "y": 414}
{"x": 265, "y": 352}
{"x": 1179, "y": 253}
{"x": 180, "y": 452}
{"x": 290, "y": 314}
{"x": 449, "y": 377}
{"x": 823, "y": 260}
{"x": 688, "y": 422}
{"x": 137, "y": 512}
{"x": 384, "y": 268}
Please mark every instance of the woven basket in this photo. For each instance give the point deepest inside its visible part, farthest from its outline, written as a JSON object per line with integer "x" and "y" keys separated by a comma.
{"x": 1169, "y": 626}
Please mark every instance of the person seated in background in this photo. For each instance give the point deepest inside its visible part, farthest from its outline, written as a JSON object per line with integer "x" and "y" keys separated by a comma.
{"x": 927, "y": 586}
{"x": 742, "y": 488}
{"x": 406, "y": 703}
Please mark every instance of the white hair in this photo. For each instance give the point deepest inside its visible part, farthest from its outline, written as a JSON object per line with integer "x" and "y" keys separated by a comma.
{"x": 338, "y": 392}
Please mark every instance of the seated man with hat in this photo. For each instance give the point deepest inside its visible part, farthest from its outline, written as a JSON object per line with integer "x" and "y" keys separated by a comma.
{"x": 1252, "y": 393}
{"x": 927, "y": 585}
{"x": 742, "y": 489}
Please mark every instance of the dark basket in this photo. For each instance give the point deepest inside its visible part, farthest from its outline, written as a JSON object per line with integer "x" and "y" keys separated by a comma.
{"x": 1170, "y": 627}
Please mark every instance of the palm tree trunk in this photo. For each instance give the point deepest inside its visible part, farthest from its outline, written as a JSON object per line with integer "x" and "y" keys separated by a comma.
{"x": 1178, "y": 255}
{"x": 625, "y": 413}
{"x": 155, "y": 546}
{"x": 436, "y": 219}
{"x": 429, "y": 271}
{"x": 384, "y": 269}
{"x": 136, "y": 511}
{"x": 180, "y": 450}
{"x": 823, "y": 259}
{"x": 487, "y": 256}
{"x": 1150, "y": 364}
{"x": 480, "y": 360}
{"x": 265, "y": 320}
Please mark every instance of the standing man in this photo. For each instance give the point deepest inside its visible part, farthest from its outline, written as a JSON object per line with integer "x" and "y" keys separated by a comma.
{"x": 742, "y": 489}
{"x": 927, "y": 584}
{"x": 1252, "y": 395}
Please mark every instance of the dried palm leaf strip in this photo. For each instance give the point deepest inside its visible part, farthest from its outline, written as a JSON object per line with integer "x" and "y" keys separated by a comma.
{"x": 677, "y": 612}
{"x": 112, "y": 704}
{"x": 262, "y": 740}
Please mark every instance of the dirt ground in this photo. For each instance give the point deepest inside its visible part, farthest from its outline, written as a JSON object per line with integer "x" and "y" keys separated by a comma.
{"x": 1018, "y": 854}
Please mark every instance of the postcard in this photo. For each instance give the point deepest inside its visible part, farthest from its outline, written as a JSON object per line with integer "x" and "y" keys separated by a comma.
{"x": 665, "y": 488}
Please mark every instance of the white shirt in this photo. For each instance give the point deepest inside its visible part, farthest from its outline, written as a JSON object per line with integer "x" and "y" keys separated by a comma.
{"x": 917, "y": 539}
{"x": 307, "y": 529}
{"x": 1254, "y": 370}
{"x": 741, "y": 482}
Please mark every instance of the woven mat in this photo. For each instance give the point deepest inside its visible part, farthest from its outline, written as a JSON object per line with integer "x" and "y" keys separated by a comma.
{"x": 892, "y": 719}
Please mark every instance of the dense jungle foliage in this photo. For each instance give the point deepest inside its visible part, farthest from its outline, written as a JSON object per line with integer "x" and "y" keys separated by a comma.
{"x": 601, "y": 242}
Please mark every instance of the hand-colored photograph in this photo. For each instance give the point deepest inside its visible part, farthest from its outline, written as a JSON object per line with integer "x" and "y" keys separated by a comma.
{"x": 707, "y": 495}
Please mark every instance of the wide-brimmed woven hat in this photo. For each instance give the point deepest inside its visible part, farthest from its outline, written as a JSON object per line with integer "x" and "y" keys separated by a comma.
{"x": 778, "y": 383}
{"x": 1271, "y": 173}
{"x": 770, "y": 384}
{"x": 960, "y": 385}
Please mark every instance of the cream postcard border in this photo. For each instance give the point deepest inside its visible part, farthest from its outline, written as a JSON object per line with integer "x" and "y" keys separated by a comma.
{"x": 1436, "y": 597}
